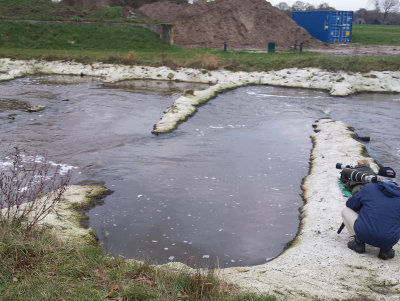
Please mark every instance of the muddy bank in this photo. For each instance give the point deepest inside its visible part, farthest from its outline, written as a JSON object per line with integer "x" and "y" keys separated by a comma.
{"x": 337, "y": 84}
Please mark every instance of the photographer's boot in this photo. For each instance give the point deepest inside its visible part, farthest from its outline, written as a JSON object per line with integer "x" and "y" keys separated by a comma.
{"x": 386, "y": 254}
{"x": 356, "y": 245}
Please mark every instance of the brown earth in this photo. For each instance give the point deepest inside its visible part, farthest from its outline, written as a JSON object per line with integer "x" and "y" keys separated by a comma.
{"x": 243, "y": 24}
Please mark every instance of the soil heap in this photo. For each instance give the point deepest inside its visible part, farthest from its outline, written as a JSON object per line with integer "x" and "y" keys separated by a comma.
{"x": 243, "y": 24}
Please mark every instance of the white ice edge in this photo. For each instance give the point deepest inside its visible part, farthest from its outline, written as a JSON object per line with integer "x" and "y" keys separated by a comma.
{"x": 336, "y": 83}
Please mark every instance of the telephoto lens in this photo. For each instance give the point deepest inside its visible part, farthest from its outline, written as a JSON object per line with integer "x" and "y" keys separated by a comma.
{"x": 342, "y": 166}
{"x": 356, "y": 176}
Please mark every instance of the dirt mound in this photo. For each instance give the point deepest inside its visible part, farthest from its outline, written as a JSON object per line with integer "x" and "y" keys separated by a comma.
{"x": 243, "y": 24}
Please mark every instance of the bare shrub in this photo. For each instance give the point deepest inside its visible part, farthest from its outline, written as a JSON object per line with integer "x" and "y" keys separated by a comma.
{"x": 131, "y": 57}
{"x": 30, "y": 187}
{"x": 168, "y": 62}
{"x": 209, "y": 61}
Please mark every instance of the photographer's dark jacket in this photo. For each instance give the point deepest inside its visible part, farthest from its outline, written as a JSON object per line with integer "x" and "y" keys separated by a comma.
{"x": 378, "y": 222}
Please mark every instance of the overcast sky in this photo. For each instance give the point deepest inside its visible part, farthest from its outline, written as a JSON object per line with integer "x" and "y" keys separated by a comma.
{"x": 338, "y": 4}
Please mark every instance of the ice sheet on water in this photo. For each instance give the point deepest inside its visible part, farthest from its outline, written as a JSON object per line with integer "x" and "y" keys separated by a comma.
{"x": 265, "y": 95}
{"x": 236, "y": 126}
{"x": 23, "y": 189}
{"x": 5, "y": 164}
{"x": 261, "y": 95}
{"x": 63, "y": 168}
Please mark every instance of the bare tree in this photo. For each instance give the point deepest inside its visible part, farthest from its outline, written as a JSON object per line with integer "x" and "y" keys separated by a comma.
{"x": 386, "y": 7}
{"x": 376, "y": 4}
{"x": 389, "y": 6}
{"x": 283, "y": 6}
{"x": 325, "y": 6}
{"x": 30, "y": 187}
{"x": 309, "y": 6}
{"x": 299, "y": 6}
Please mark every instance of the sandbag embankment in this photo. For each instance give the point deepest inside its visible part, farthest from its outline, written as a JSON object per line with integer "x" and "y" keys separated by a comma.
{"x": 243, "y": 24}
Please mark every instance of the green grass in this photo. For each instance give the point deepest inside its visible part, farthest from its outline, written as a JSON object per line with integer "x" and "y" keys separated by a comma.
{"x": 139, "y": 46}
{"x": 33, "y": 9}
{"x": 78, "y": 37}
{"x": 388, "y": 35}
{"x": 48, "y": 10}
{"x": 39, "y": 267}
{"x": 198, "y": 59}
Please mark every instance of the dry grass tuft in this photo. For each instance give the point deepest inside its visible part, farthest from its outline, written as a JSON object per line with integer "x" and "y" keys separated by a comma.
{"x": 131, "y": 57}
{"x": 209, "y": 61}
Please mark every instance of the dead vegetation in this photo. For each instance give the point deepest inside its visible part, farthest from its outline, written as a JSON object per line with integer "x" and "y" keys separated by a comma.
{"x": 30, "y": 187}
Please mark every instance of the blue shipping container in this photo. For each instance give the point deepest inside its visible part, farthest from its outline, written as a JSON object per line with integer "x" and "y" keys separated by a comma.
{"x": 327, "y": 26}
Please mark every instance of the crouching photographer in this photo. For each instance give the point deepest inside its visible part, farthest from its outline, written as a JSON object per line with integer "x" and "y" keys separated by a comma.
{"x": 372, "y": 215}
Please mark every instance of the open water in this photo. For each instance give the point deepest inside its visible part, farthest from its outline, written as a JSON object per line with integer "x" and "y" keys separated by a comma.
{"x": 221, "y": 190}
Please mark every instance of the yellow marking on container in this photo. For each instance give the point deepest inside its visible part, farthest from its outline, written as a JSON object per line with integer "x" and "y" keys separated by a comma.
{"x": 347, "y": 33}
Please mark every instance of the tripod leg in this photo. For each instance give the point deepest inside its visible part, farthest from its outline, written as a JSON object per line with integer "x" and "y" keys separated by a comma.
{"x": 340, "y": 228}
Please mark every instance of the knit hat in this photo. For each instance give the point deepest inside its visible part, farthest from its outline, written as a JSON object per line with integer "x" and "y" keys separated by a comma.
{"x": 387, "y": 172}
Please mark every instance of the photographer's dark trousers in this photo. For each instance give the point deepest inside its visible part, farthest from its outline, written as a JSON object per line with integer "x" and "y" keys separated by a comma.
{"x": 349, "y": 217}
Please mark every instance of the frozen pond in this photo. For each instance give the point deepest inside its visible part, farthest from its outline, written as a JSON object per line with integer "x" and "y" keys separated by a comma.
{"x": 223, "y": 189}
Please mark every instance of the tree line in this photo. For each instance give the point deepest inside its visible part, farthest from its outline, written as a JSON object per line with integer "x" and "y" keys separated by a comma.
{"x": 384, "y": 11}
{"x": 302, "y": 6}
